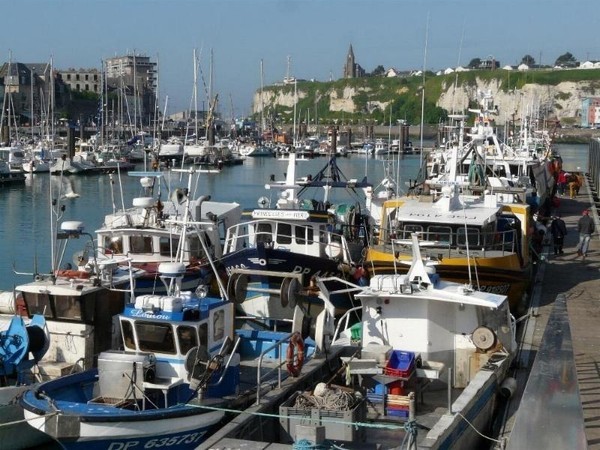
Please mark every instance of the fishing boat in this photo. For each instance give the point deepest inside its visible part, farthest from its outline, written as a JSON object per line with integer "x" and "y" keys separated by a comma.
{"x": 525, "y": 162}
{"x": 79, "y": 300}
{"x": 432, "y": 353}
{"x": 22, "y": 346}
{"x": 279, "y": 248}
{"x": 475, "y": 239}
{"x": 151, "y": 231}
{"x": 176, "y": 372}
{"x": 428, "y": 354}
{"x": 476, "y": 233}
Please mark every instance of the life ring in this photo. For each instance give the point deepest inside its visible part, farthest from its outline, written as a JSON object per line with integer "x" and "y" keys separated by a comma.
{"x": 73, "y": 274}
{"x": 295, "y": 354}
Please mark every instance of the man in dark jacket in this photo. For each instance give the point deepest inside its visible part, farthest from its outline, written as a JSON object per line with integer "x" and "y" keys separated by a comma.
{"x": 559, "y": 231}
{"x": 585, "y": 227}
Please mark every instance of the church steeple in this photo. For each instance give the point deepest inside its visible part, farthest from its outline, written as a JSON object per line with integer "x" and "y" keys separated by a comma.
{"x": 350, "y": 66}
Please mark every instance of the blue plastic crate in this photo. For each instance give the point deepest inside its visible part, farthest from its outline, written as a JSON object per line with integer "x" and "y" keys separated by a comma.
{"x": 400, "y": 364}
{"x": 398, "y": 412}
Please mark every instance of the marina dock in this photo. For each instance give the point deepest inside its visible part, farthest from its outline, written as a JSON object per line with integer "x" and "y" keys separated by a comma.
{"x": 565, "y": 412}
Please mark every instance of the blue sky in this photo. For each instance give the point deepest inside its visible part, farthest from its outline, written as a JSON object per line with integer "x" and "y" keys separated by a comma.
{"x": 316, "y": 35}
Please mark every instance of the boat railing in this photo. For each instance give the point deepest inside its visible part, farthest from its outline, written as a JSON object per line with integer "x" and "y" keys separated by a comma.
{"x": 452, "y": 245}
{"x": 259, "y": 375}
{"x": 343, "y": 322}
{"x": 300, "y": 238}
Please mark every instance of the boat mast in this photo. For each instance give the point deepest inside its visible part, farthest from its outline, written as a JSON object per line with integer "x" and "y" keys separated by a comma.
{"x": 262, "y": 104}
{"x": 195, "y": 92}
{"x": 423, "y": 92}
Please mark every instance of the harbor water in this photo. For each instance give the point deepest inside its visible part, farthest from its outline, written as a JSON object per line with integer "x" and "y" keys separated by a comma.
{"x": 25, "y": 231}
{"x": 26, "y": 209}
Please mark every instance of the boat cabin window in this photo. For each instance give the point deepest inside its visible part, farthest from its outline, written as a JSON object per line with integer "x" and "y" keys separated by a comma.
{"x": 154, "y": 337}
{"x": 264, "y": 232}
{"x": 304, "y": 235}
{"x": 187, "y": 338}
{"x": 74, "y": 308}
{"x": 408, "y": 229}
{"x": 218, "y": 325}
{"x": 195, "y": 247}
{"x": 441, "y": 234}
{"x": 68, "y": 308}
{"x": 471, "y": 239}
{"x": 128, "y": 339}
{"x": 168, "y": 246}
{"x": 140, "y": 244}
{"x": 38, "y": 303}
{"x": 203, "y": 334}
{"x": 284, "y": 233}
{"x": 113, "y": 244}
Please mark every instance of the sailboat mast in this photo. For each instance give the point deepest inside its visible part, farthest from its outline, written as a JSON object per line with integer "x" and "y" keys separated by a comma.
{"x": 195, "y": 97}
{"x": 423, "y": 93}
{"x": 262, "y": 104}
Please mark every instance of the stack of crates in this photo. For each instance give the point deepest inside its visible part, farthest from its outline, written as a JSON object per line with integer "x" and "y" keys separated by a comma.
{"x": 401, "y": 364}
{"x": 398, "y": 405}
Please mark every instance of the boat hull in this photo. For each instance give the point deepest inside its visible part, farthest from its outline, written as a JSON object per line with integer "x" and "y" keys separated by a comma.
{"x": 176, "y": 433}
{"x": 75, "y": 419}
{"x": 477, "y": 403}
{"x": 17, "y": 435}
{"x": 262, "y": 260}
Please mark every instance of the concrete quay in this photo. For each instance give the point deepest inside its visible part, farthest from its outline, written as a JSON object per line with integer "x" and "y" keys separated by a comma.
{"x": 561, "y": 280}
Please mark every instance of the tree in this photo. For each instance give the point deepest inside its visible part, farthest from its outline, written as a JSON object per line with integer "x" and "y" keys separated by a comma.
{"x": 475, "y": 62}
{"x": 528, "y": 59}
{"x": 379, "y": 70}
{"x": 566, "y": 60}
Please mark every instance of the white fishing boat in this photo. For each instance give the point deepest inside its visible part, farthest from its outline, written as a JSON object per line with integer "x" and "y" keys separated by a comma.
{"x": 152, "y": 230}
{"x": 432, "y": 352}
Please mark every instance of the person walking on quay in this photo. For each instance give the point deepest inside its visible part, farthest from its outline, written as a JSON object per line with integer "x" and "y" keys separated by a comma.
{"x": 558, "y": 228}
{"x": 585, "y": 227}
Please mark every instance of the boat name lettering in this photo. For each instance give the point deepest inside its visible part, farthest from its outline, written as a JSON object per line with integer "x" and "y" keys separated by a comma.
{"x": 500, "y": 289}
{"x": 230, "y": 270}
{"x": 280, "y": 214}
{"x": 448, "y": 216}
{"x": 318, "y": 273}
{"x": 184, "y": 439}
{"x": 148, "y": 315}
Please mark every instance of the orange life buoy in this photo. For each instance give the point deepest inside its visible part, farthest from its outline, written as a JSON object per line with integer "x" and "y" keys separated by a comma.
{"x": 73, "y": 274}
{"x": 295, "y": 354}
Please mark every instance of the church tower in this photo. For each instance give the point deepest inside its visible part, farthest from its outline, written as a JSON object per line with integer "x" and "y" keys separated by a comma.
{"x": 350, "y": 66}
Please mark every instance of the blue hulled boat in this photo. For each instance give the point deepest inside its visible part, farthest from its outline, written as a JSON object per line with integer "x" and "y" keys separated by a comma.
{"x": 169, "y": 385}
